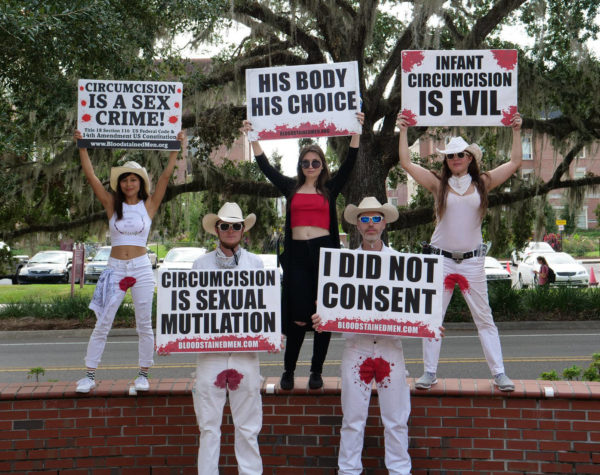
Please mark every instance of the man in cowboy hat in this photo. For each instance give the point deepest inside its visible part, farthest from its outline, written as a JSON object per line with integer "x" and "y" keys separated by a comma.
{"x": 372, "y": 357}
{"x": 238, "y": 372}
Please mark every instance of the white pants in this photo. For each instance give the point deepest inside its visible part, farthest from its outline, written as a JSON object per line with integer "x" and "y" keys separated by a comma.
{"x": 142, "y": 293}
{"x": 367, "y": 358}
{"x": 216, "y": 373}
{"x": 470, "y": 276}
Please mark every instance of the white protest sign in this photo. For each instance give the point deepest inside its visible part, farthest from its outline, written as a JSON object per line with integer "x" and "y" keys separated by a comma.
{"x": 201, "y": 311}
{"x": 463, "y": 87}
{"x": 380, "y": 293}
{"x": 129, "y": 114}
{"x": 303, "y": 101}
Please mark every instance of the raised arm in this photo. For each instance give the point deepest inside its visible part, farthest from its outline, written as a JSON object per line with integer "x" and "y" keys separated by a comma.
{"x": 355, "y": 140}
{"x": 500, "y": 174}
{"x": 154, "y": 200}
{"x": 421, "y": 175}
{"x": 86, "y": 165}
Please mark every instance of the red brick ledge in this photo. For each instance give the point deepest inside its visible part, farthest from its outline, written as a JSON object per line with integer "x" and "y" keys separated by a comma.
{"x": 524, "y": 389}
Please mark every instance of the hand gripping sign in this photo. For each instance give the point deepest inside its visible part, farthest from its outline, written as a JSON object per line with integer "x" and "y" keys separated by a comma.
{"x": 202, "y": 311}
{"x": 303, "y": 101}
{"x": 129, "y": 114}
{"x": 380, "y": 293}
{"x": 463, "y": 87}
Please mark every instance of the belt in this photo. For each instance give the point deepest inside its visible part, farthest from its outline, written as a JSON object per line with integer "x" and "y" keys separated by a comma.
{"x": 456, "y": 256}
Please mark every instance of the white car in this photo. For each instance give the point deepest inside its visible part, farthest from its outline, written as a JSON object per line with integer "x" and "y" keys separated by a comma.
{"x": 97, "y": 264}
{"x": 539, "y": 247}
{"x": 494, "y": 270}
{"x": 49, "y": 267}
{"x": 181, "y": 257}
{"x": 568, "y": 271}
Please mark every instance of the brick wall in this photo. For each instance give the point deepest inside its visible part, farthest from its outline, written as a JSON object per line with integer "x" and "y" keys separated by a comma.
{"x": 460, "y": 426}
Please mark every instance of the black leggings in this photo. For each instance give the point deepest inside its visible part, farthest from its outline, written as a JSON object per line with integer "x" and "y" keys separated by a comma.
{"x": 295, "y": 337}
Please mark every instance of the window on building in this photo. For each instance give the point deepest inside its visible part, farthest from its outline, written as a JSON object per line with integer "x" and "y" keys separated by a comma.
{"x": 581, "y": 153}
{"x": 527, "y": 174}
{"x": 527, "y": 148}
{"x": 393, "y": 201}
{"x": 579, "y": 173}
{"x": 581, "y": 220}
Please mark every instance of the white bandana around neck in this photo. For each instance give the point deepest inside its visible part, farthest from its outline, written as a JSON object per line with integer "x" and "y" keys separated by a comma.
{"x": 460, "y": 184}
{"x": 227, "y": 262}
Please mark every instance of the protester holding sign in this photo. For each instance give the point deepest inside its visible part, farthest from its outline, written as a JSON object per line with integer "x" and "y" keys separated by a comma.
{"x": 461, "y": 194}
{"x": 310, "y": 223}
{"x": 238, "y": 372}
{"x": 373, "y": 357}
{"x": 130, "y": 209}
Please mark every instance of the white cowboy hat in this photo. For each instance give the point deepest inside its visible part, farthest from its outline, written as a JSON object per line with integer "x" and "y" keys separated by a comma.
{"x": 370, "y": 204}
{"x": 129, "y": 167}
{"x": 458, "y": 144}
{"x": 229, "y": 213}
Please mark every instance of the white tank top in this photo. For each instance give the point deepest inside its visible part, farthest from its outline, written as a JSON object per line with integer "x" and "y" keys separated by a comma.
{"x": 460, "y": 227}
{"x": 133, "y": 228}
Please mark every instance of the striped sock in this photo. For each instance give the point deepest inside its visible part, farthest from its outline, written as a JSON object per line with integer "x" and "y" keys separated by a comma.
{"x": 91, "y": 374}
{"x": 143, "y": 373}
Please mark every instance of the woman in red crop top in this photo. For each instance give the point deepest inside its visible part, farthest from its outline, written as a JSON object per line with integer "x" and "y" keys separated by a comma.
{"x": 310, "y": 223}
{"x": 130, "y": 209}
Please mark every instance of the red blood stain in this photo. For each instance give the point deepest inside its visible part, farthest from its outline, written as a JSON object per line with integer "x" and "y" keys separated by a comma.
{"x": 178, "y": 89}
{"x": 81, "y": 88}
{"x": 229, "y": 377}
{"x": 411, "y": 59}
{"x": 377, "y": 368}
{"x": 452, "y": 279}
{"x": 86, "y": 117}
{"x": 507, "y": 115}
{"x": 506, "y": 58}
{"x": 177, "y": 105}
{"x": 126, "y": 282}
{"x": 411, "y": 118}
{"x": 173, "y": 119}
{"x": 83, "y": 103}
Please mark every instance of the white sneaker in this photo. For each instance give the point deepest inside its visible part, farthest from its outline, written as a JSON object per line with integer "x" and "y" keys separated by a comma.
{"x": 503, "y": 382}
{"x": 426, "y": 381}
{"x": 141, "y": 383}
{"x": 84, "y": 385}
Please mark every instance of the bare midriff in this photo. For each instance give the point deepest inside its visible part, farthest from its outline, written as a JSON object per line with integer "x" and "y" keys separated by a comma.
{"x": 125, "y": 253}
{"x": 304, "y": 233}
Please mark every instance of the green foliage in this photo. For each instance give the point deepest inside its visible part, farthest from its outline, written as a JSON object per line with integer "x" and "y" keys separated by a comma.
{"x": 592, "y": 373}
{"x": 36, "y": 372}
{"x": 579, "y": 245}
{"x": 572, "y": 373}
{"x": 550, "y": 376}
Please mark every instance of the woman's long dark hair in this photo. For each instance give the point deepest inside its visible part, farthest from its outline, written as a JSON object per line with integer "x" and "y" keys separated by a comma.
{"x": 473, "y": 170}
{"x": 323, "y": 176}
{"x": 120, "y": 196}
{"x": 543, "y": 259}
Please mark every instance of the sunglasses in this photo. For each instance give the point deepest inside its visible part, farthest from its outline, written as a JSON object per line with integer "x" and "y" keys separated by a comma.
{"x": 225, "y": 226}
{"x": 366, "y": 219}
{"x": 450, "y": 156}
{"x": 307, "y": 163}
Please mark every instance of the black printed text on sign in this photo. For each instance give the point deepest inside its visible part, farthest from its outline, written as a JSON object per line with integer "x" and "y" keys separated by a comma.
{"x": 200, "y": 311}
{"x": 380, "y": 293}
{"x": 142, "y": 115}
{"x": 463, "y": 87}
{"x": 313, "y": 100}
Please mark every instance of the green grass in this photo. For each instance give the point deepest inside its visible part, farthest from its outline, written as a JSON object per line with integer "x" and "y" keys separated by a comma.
{"x": 45, "y": 292}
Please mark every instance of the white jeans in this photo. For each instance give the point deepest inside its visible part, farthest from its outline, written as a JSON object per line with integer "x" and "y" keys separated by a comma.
{"x": 142, "y": 293}
{"x": 216, "y": 373}
{"x": 470, "y": 275}
{"x": 367, "y": 358}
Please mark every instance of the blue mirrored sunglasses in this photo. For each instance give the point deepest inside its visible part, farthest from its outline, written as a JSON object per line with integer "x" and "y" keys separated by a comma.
{"x": 366, "y": 219}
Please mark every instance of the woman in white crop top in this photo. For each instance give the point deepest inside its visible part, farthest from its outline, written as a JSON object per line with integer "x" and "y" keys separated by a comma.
{"x": 460, "y": 204}
{"x": 130, "y": 209}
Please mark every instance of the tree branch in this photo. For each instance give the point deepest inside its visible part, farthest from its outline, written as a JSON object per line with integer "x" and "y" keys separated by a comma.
{"x": 486, "y": 24}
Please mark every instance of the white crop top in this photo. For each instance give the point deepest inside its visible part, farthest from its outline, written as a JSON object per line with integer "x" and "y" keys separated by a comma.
{"x": 133, "y": 228}
{"x": 460, "y": 227}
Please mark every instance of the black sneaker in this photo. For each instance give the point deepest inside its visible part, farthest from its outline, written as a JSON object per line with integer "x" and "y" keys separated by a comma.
{"x": 315, "y": 381}
{"x": 287, "y": 380}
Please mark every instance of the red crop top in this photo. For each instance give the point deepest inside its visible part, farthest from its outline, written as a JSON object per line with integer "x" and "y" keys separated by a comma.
{"x": 309, "y": 209}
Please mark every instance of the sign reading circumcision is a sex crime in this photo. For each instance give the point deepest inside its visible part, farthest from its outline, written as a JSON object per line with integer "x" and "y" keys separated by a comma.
{"x": 143, "y": 115}
{"x": 459, "y": 88}
{"x": 313, "y": 100}
{"x": 201, "y": 311}
{"x": 380, "y": 293}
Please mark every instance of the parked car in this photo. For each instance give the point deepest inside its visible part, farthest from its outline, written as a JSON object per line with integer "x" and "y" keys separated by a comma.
{"x": 47, "y": 267}
{"x": 568, "y": 271}
{"x": 494, "y": 271}
{"x": 97, "y": 264}
{"x": 531, "y": 247}
{"x": 10, "y": 264}
{"x": 181, "y": 257}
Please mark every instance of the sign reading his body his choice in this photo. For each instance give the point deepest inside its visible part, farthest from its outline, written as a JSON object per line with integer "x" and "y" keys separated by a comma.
{"x": 464, "y": 87}
{"x": 303, "y": 101}
{"x": 380, "y": 293}
{"x": 129, "y": 114}
{"x": 202, "y": 311}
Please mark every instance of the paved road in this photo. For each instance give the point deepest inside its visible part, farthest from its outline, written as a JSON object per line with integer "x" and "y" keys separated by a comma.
{"x": 529, "y": 348}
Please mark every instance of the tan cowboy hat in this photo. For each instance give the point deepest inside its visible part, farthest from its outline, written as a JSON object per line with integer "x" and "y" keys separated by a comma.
{"x": 370, "y": 204}
{"x": 229, "y": 213}
{"x": 129, "y": 167}
{"x": 458, "y": 144}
